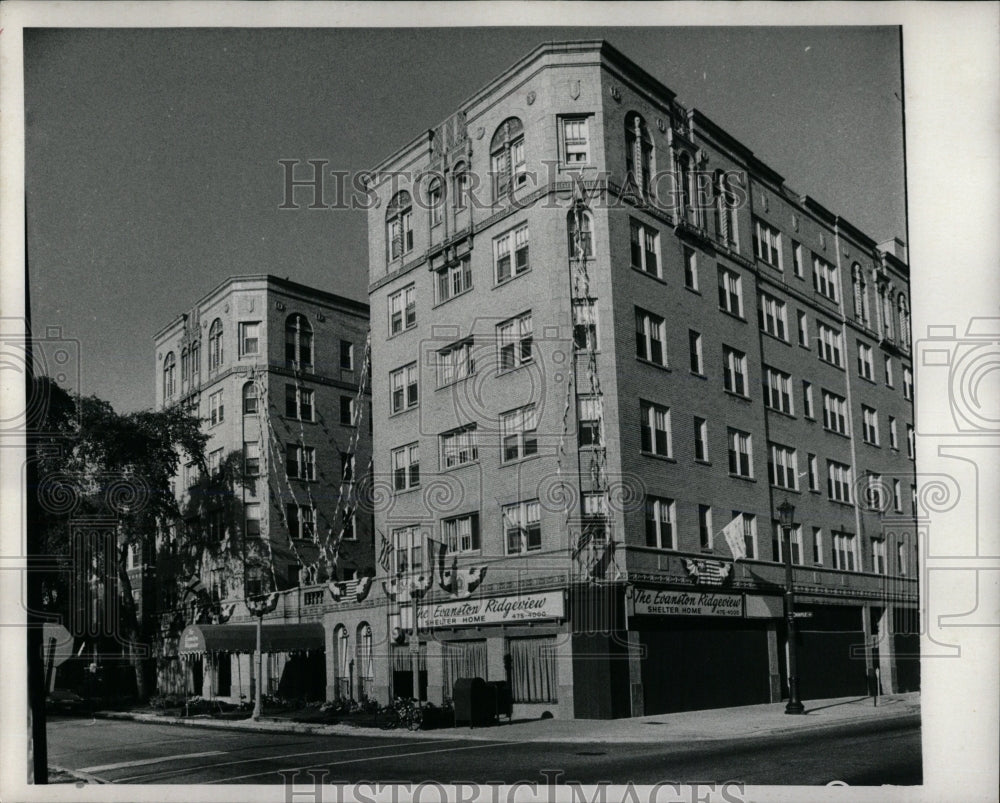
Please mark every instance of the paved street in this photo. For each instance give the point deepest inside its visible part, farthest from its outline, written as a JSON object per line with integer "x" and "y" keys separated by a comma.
{"x": 866, "y": 753}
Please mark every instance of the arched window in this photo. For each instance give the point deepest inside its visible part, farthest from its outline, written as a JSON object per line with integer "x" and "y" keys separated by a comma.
{"x": 341, "y": 668}
{"x": 684, "y": 186}
{"x": 169, "y": 375}
{"x": 726, "y": 229}
{"x": 885, "y": 299}
{"x": 638, "y": 153}
{"x": 298, "y": 342}
{"x": 860, "y": 293}
{"x": 435, "y": 201}
{"x": 215, "y": 355}
{"x": 904, "y": 320}
{"x": 185, "y": 368}
{"x": 249, "y": 398}
{"x": 195, "y": 361}
{"x": 365, "y": 664}
{"x": 580, "y": 227}
{"x": 461, "y": 185}
{"x": 507, "y": 160}
{"x": 399, "y": 225}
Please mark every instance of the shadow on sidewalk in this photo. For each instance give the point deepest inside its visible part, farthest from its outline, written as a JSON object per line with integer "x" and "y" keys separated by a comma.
{"x": 835, "y": 705}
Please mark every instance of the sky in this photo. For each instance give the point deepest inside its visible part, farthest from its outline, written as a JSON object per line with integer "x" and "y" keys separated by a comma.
{"x": 152, "y": 155}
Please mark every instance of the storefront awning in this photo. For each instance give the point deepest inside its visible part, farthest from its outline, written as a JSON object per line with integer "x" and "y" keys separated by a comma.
{"x": 198, "y": 639}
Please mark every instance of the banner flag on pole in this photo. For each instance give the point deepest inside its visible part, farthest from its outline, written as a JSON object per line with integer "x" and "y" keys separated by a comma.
{"x": 733, "y": 533}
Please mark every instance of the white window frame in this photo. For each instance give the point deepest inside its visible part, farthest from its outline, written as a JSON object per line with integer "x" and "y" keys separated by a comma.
{"x": 407, "y": 549}
{"x": 893, "y": 434}
{"x": 767, "y": 244}
{"x": 216, "y": 407}
{"x": 252, "y": 512}
{"x": 590, "y": 409}
{"x": 697, "y": 356}
{"x": 245, "y": 329}
{"x": 304, "y": 399}
{"x": 661, "y": 516}
{"x": 748, "y": 522}
{"x": 457, "y": 280}
{"x": 735, "y": 378}
{"x": 834, "y": 412}
{"x": 813, "y": 472}
{"x": 783, "y": 466}
{"x": 773, "y": 317}
{"x": 515, "y": 342}
{"x": 831, "y": 345}
{"x": 405, "y": 464}
{"x": 518, "y": 428}
{"x": 808, "y": 410}
{"x": 778, "y": 391}
{"x": 656, "y": 419}
{"x": 798, "y": 260}
{"x": 897, "y": 496}
{"x": 585, "y": 325}
{"x": 817, "y": 545}
{"x": 456, "y": 362}
{"x": 700, "y": 439}
{"x": 866, "y": 365}
{"x": 838, "y": 481}
{"x": 574, "y": 140}
{"x": 401, "y": 381}
{"x": 648, "y": 250}
{"x": 461, "y": 534}
{"x": 740, "y": 449}
{"x": 803, "y": 326}
{"x": 879, "y": 562}
{"x": 888, "y": 371}
{"x": 869, "y": 425}
{"x": 794, "y": 540}
{"x": 304, "y": 461}
{"x": 510, "y": 246}
{"x": 845, "y": 551}
{"x": 459, "y": 447}
{"x": 526, "y": 519}
{"x": 907, "y": 384}
{"x": 705, "y": 532}
{"x": 402, "y": 307}
{"x": 911, "y": 446}
{"x": 650, "y": 329}
{"x": 730, "y": 292}
{"x": 690, "y": 268}
{"x": 826, "y": 280}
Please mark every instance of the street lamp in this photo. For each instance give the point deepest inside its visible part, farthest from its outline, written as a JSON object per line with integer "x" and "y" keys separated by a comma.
{"x": 786, "y": 513}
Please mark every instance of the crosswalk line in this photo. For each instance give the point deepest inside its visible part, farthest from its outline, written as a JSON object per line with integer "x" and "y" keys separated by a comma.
{"x": 142, "y": 762}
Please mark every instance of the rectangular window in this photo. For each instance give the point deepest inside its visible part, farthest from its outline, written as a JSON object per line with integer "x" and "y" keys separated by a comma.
{"x": 778, "y": 390}
{"x": 910, "y": 444}
{"x": 585, "y": 324}
{"x": 694, "y": 346}
{"x": 740, "y": 453}
{"x": 830, "y": 345}
{"x": 838, "y": 481}
{"x": 514, "y": 341}
{"x": 402, "y": 310}
{"x": 705, "y": 526}
{"x": 522, "y": 525}
{"x": 834, "y": 412}
{"x": 650, "y": 342}
{"x": 461, "y": 534}
{"x": 873, "y": 491}
{"x": 844, "y": 551}
{"x": 216, "y": 408}
{"x": 251, "y": 517}
{"x": 730, "y": 292}
{"x": 300, "y": 461}
{"x": 803, "y": 329}
{"x": 866, "y": 368}
{"x": 888, "y": 370}
{"x": 825, "y": 279}
{"x": 534, "y": 678}
{"x": 807, "y": 399}
{"x": 901, "y": 559}
{"x": 817, "y": 546}
{"x": 589, "y": 413}
{"x": 700, "y": 439}
{"x": 749, "y": 522}
{"x": 655, "y": 435}
{"x": 454, "y": 279}
{"x": 349, "y": 532}
{"x": 459, "y": 447}
{"x": 214, "y": 462}
{"x": 517, "y": 433}
{"x": 783, "y": 467}
{"x": 813, "y": 473}
{"x": 660, "y": 523}
{"x": 406, "y": 467}
{"x": 893, "y": 436}
{"x": 734, "y": 377}
{"x": 907, "y": 384}
{"x": 455, "y": 363}
{"x": 346, "y": 411}
{"x": 251, "y": 458}
{"x": 794, "y": 541}
{"x": 645, "y": 251}
{"x": 690, "y": 268}
{"x": 772, "y": 316}
{"x": 595, "y": 516}
{"x": 767, "y": 244}
{"x": 346, "y": 355}
{"x": 869, "y": 425}
{"x": 407, "y": 546}
{"x": 403, "y": 393}
{"x": 798, "y": 259}
{"x": 897, "y": 496}
{"x": 510, "y": 254}
{"x": 878, "y": 555}
{"x": 249, "y": 338}
{"x": 301, "y": 520}
{"x": 575, "y": 141}
{"x": 298, "y": 403}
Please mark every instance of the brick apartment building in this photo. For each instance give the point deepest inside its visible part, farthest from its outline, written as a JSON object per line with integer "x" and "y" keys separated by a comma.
{"x": 273, "y": 368}
{"x": 607, "y": 339}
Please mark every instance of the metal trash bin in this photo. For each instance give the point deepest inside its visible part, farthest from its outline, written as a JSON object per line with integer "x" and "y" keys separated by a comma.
{"x": 475, "y": 702}
{"x": 503, "y": 697}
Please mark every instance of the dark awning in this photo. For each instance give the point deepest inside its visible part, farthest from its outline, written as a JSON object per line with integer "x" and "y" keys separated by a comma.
{"x": 197, "y": 639}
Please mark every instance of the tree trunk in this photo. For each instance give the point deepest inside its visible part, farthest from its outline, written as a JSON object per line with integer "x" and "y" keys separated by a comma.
{"x": 130, "y": 630}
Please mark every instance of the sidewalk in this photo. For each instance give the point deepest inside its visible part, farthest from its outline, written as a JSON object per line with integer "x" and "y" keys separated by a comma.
{"x": 686, "y": 726}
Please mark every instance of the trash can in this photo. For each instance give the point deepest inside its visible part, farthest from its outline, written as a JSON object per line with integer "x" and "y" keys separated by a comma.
{"x": 475, "y": 702}
{"x": 504, "y": 698}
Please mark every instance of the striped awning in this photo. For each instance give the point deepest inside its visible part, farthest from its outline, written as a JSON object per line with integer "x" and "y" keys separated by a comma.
{"x": 197, "y": 639}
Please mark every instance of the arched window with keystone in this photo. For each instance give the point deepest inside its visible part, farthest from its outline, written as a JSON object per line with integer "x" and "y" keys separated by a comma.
{"x": 507, "y": 158}
{"x": 215, "y": 354}
{"x": 399, "y": 225}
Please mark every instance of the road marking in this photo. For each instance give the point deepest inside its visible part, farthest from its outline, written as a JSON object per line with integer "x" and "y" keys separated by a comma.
{"x": 167, "y": 773}
{"x": 369, "y": 758}
{"x": 141, "y": 762}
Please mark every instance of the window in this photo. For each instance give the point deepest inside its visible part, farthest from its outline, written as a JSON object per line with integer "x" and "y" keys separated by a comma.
{"x": 660, "y": 523}
{"x": 901, "y": 559}
{"x": 298, "y": 402}
{"x": 514, "y": 339}
{"x": 517, "y": 433}
{"x": 866, "y": 367}
{"x": 767, "y": 244}
{"x": 249, "y": 399}
{"x": 655, "y": 429}
{"x": 885, "y": 304}
{"x": 910, "y": 445}
{"x": 513, "y": 245}
{"x": 251, "y": 515}
{"x": 783, "y": 467}
{"x": 216, "y": 526}
{"x": 878, "y": 555}
{"x": 461, "y": 182}
{"x": 893, "y": 437}
{"x": 216, "y": 408}
{"x": 772, "y": 316}
{"x": 461, "y": 534}
{"x": 455, "y": 363}
{"x": 195, "y": 361}
{"x": 301, "y": 520}
{"x": 860, "y": 294}
{"x": 838, "y": 481}
{"x": 507, "y": 159}
{"x": 645, "y": 248}
{"x": 649, "y": 337}
{"x": 705, "y": 526}
{"x": 399, "y": 225}
{"x": 347, "y": 411}
{"x": 749, "y": 522}
{"x": 533, "y": 669}
{"x": 904, "y": 321}
{"x": 844, "y": 551}
{"x": 778, "y": 390}
{"x": 803, "y": 329}
{"x": 913, "y": 500}
{"x": 454, "y": 279}
{"x": 346, "y": 467}
{"x": 298, "y": 342}
{"x": 869, "y": 425}
{"x": 830, "y": 345}
{"x": 300, "y": 461}
{"x": 575, "y": 141}
{"x": 589, "y": 412}
{"x": 834, "y": 412}
{"x": 726, "y": 202}
{"x": 730, "y": 292}
{"x": 690, "y": 268}
{"x": 346, "y": 355}
{"x": 807, "y": 399}
{"x": 406, "y": 467}
{"x": 798, "y": 260}
{"x": 185, "y": 369}
{"x": 700, "y": 439}
{"x": 349, "y": 533}
{"x": 817, "y": 546}
{"x": 580, "y": 230}
{"x": 215, "y": 463}
{"x": 403, "y": 388}
{"x": 888, "y": 371}
{"x": 740, "y": 454}
{"x": 813, "y": 473}
{"x": 897, "y": 496}
{"x": 435, "y": 201}
{"x": 825, "y": 279}
{"x": 402, "y": 310}
{"x": 251, "y": 458}
{"x": 735, "y": 371}
{"x": 169, "y": 375}
{"x": 192, "y": 475}
{"x": 595, "y": 516}
{"x": 694, "y": 346}
{"x": 907, "y": 384}
{"x": 522, "y": 527}
{"x": 794, "y": 541}
{"x": 215, "y": 354}
{"x": 249, "y": 338}
{"x": 585, "y": 324}
{"x": 638, "y": 154}
{"x": 459, "y": 447}
{"x": 407, "y": 545}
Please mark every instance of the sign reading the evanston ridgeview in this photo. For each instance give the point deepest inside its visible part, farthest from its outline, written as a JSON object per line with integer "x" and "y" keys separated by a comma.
{"x": 486, "y": 611}
{"x": 686, "y": 603}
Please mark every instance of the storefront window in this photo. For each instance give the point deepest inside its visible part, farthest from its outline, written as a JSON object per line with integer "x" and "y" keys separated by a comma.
{"x": 533, "y": 669}
{"x": 462, "y": 659}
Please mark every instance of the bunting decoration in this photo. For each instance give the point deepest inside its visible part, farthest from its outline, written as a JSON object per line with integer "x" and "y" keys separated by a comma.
{"x": 457, "y": 584}
{"x": 358, "y": 588}
{"x": 708, "y": 572}
{"x": 259, "y": 606}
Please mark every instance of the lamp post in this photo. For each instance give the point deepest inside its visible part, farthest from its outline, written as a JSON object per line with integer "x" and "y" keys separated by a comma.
{"x": 786, "y": 513}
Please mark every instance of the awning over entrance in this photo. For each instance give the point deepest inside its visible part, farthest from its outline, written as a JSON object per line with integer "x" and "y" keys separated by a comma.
{"x": 197, "y": 639}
